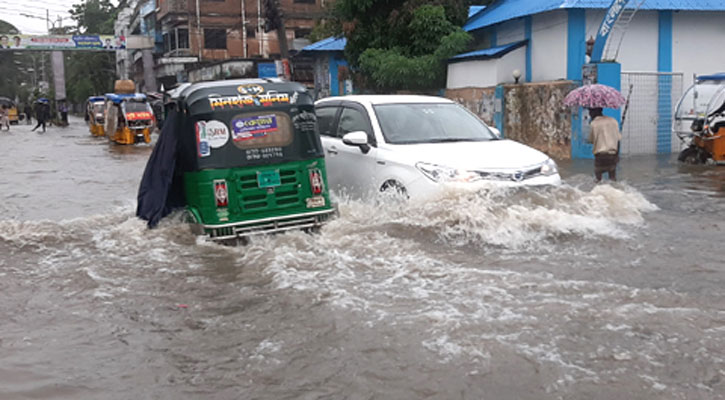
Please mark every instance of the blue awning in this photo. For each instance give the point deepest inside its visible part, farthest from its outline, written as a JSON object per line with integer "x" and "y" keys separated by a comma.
{"x": 491, "y": 52}
{"x": 330, "y": 44}
{"x": 505, "y": 10}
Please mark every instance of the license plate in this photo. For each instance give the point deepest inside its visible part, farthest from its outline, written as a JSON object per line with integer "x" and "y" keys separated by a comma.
{"x": 314, "y": 202}
{"x": 267, "y": 179}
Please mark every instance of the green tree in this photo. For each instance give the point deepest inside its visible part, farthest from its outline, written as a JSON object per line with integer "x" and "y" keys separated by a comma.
{"x": 95, "y": 16}
{"x": 402, "y": 44}
{"x": 88, "y": 73}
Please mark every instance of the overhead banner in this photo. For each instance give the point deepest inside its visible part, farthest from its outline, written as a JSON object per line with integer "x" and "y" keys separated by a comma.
{"x": 62, "y": 42}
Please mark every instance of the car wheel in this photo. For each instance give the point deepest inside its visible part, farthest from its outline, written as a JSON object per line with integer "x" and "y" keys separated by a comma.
{"x": 394, "y": 189}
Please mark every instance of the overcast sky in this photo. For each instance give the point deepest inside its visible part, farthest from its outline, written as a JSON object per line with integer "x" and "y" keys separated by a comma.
{"x": 29, "y": 15}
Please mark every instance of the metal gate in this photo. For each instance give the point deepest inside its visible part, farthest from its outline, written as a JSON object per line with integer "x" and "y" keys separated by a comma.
{"x": 647, "y": 127}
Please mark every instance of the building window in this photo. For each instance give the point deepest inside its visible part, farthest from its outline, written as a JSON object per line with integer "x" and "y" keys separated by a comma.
{"x": 251, "y": 32}
{"x": 305, "y": 1}
{"x": 215, "y": 38}
{"x": 301, "y": 33}
{"x": 170, "y": 39}
{"x": 183, "y": 35}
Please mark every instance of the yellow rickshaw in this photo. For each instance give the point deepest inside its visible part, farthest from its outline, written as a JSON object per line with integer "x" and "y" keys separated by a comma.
{"x": 11, "y": 109}
{"x": 129, "y": 118}
{"x": 95, "y": 115}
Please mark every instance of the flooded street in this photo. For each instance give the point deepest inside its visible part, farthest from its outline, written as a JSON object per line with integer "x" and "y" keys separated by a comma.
{"x": 573, "y": 292}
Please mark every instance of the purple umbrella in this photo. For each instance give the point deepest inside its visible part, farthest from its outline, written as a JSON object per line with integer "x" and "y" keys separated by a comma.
{"x": 595, "y": 96}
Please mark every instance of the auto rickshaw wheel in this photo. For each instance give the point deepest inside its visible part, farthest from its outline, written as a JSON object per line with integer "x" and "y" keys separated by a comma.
{"x": 692, "y": 155}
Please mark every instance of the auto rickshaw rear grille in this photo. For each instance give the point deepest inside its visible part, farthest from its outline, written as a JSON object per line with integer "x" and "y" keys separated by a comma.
{"x": 254, "y": 197}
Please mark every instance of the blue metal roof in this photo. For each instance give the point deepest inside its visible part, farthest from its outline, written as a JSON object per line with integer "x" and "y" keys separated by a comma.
{"x": 473, "y": 10}
{"x": 96, "y": 98}
{"x": 505, "y": 10}
{"x": 330, "y": 44}
{"x": 492, "y": 52}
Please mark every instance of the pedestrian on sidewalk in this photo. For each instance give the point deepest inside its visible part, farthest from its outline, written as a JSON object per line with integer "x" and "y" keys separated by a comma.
{"x": 4, "y": 119}
{"x": 605, "y": 137}
{"x": 63, "y": 113}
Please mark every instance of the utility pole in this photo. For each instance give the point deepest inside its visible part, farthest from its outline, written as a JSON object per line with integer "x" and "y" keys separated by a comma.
{"x": 198, "y": 29}
{"x": 260, "y": 32}
{"x": 244, "y": 29}
{"x": 274, "y": 20}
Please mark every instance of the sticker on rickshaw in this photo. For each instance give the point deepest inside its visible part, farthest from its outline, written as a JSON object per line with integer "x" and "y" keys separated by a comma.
{"x": 253, "y": 127}
{"x": 138, "y": 115}
{"x": 222, "y": 214}
{"x": 217, "y": 133}
{"x": 250, "y": 89}
{"x": 314, "y": 202}
{"x": 202, "y": 140}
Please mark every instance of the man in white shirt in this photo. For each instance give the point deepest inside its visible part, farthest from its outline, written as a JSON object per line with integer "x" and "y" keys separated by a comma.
{"x": 605, "y": 137}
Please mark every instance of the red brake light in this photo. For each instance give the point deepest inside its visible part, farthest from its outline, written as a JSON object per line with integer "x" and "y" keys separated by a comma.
{"x": 316, "y": 183}
{"x": 220, "y": 193}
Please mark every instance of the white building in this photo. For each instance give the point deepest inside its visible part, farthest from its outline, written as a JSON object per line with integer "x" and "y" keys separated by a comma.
{"x": 664, "y": 36}
{"x": 546, "y": 41}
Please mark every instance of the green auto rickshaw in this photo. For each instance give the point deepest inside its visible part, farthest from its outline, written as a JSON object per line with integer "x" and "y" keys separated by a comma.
{"x": 247, "y": 159}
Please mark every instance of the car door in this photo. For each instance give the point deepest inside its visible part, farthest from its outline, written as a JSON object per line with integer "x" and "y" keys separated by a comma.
{"x": 356, "y": 165}
{"x": 327, "y": 124}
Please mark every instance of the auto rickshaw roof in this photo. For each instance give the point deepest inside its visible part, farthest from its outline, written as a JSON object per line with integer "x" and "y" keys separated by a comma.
{"x": 118, "y": 98}
{"x": 6, "y": 101}
{"x": 239, "y": 88}
{"x": 714, "y": 77}
{"x": 94, "y": 99}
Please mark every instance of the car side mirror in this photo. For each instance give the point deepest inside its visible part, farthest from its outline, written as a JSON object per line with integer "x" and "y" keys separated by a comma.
{"x": 495, "y": 131}
{"x": 357, "y": 138}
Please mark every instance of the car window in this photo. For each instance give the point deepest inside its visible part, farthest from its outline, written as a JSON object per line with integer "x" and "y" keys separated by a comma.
{"x": 325, "y": 120}
{"x": 430, "y": 123}
{"x": 352, "y": 120}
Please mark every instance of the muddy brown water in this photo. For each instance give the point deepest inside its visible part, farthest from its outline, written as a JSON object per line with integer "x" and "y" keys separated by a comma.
{"x": 573, "y": 292}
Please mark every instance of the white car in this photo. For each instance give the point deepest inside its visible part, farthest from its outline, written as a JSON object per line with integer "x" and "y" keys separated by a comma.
{"x": 419, "y": 145}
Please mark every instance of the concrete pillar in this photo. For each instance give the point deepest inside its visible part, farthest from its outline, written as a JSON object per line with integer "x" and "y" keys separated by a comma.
{"x": 149, "y": 75}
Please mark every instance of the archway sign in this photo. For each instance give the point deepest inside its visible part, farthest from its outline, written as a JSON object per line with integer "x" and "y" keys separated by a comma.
{"x": 62, "y": 42}
{"x": 58, "y": 43}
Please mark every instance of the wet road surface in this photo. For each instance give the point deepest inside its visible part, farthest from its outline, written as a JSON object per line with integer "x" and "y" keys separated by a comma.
{"x": 579, "y": 291}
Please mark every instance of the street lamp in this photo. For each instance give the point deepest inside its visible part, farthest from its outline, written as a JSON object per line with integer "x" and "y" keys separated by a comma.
{"x": 517, "y": 75}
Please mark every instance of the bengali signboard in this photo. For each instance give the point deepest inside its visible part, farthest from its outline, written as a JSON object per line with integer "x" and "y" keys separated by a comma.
{"x": 62, "y": 42}
{"x": 610, "y": 18}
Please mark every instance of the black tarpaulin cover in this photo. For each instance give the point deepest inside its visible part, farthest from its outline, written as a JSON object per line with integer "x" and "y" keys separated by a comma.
{"x": 162, "y": 187}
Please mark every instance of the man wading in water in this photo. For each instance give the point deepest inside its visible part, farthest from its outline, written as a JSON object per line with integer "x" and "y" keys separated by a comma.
{"x": 605, "y": 137}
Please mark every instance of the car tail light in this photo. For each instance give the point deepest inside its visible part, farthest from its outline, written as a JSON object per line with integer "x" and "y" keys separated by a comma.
{"x": 316, "y": 183}
{"x": 220, "y": 193}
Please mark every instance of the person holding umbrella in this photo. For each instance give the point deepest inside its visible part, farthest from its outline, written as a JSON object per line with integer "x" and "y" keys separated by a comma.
{"x": 41, "y": 113}
{"x": 604, "y": 134}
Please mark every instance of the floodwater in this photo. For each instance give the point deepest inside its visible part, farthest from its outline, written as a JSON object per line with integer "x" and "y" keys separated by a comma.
{"x": 574, "y": 292}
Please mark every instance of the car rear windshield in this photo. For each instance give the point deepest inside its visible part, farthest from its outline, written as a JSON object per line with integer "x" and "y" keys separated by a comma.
{"x": 430, "y": 123}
